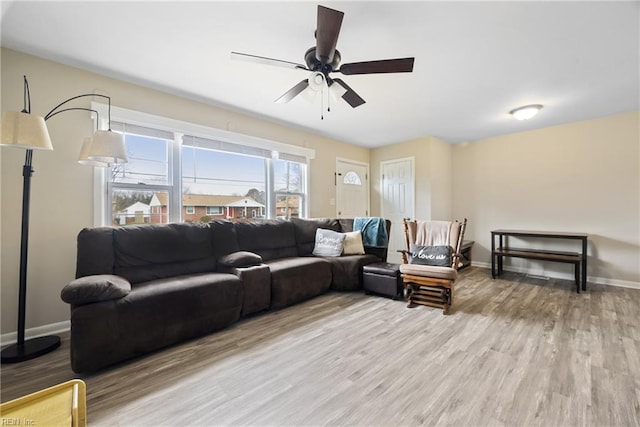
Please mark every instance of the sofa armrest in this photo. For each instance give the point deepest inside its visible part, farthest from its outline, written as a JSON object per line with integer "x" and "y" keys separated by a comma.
{"x": 256, "y": 281}
{"x": 101, "y": 287}
{"x": 240, "y": 259}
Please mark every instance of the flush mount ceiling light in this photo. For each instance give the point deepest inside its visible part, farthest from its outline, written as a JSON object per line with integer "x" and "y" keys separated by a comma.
{"x": 526, "y": 112}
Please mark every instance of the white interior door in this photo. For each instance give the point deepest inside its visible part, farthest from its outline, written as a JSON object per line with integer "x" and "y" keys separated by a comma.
{"x": 397, "y": 184}
{"x": 352, "y": 189}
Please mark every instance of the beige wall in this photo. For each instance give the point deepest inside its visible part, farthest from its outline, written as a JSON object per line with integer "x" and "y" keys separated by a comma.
{"x": 62, "y": 196}
{"x": 433, "y": 183}
{"x": 433, "y": 175}
{"x": 441, "y": 179}
{"x": 582, "y": 177}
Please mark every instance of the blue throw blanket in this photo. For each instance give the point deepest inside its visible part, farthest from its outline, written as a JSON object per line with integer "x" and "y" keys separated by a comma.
{"x": 374, "y": 231}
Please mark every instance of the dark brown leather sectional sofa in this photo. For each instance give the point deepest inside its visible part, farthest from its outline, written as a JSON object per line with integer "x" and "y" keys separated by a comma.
{"x": 141, "y": 288}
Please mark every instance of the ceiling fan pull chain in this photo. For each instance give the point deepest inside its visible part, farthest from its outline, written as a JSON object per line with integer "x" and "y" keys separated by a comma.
{"x": 322, "y": 104}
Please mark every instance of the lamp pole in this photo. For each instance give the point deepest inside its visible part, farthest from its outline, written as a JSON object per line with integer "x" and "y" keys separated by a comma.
{"x": 29, "y": 349}
{"x": 23, "y": 349}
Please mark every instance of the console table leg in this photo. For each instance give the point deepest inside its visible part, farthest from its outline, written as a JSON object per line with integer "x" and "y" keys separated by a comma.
{"x": 500, "y": 257}
{"x": 493, "y": 266}
{"x": 576, "y": 272}
{"x": 493, "y": 256}
{"x": 584, "y": 264}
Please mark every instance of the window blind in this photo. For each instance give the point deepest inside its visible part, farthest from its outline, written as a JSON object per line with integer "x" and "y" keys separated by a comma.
{"x": 211, "y": 144}
{"x": 141, "y": 130}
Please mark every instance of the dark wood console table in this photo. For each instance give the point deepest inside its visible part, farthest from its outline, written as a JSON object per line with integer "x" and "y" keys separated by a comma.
{"x": 578, "y": 259}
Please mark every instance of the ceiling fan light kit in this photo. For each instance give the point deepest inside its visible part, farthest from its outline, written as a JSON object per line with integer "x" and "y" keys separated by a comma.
{"x": 323, "y": 59}
{"x": 527, "y": 112}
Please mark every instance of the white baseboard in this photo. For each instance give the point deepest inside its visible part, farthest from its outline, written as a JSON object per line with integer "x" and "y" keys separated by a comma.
{"x": 555, "y": 275}
{"x": 39, "y": 331}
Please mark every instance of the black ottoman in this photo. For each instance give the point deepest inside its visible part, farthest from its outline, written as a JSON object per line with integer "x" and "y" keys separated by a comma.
{"x": 382, "y": 278}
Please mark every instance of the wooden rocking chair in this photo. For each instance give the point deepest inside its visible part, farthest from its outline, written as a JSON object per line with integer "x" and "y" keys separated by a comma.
{"x": 425, "y": 284}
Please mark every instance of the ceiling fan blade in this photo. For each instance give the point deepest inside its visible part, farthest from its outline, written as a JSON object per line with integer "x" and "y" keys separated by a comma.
{"x": 266, "y": 61}
{"x": 401, "y": 65}
{"x": 293, "y": 92}
{"x": 350, "y": 95}
{"x": 327, "y": 31}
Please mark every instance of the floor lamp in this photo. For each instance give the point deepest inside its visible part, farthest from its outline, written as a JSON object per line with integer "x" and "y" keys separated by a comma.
{"x": 24, "y": 130}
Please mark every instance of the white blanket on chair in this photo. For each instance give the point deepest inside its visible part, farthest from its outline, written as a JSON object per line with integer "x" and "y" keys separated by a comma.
{"x": 432, "y": 233}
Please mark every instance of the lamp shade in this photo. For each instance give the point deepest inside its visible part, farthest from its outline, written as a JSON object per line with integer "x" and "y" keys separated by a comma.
{"x": 108, "y": 147}
{"x": 317, "y": 81}
{"x": 25, "y": 130}
{"x": 336, "y": 90}
{"x": 84, "y": 159}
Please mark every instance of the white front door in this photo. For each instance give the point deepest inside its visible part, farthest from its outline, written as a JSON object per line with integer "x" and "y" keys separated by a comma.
{"x": 352, "y": 189}
{"x": 397, "y": 184}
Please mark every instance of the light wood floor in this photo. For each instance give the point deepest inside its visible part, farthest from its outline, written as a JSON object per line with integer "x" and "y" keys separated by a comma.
{"x": 516, "y": 351}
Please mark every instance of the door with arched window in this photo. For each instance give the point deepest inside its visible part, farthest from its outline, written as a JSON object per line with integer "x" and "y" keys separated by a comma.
{"x": 352, "y": 188}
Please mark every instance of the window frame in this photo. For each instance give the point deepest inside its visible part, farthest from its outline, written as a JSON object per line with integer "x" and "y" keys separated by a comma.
{"x": 102, "y": 190}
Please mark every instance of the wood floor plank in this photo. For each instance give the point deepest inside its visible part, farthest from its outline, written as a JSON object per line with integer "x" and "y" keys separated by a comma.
{"x": 517, "y": 350}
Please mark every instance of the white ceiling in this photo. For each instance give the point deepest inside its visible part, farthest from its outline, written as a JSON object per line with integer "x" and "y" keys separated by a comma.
{"x": 474, "y": 61}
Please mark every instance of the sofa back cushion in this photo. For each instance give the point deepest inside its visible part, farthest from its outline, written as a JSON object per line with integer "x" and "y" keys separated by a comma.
{"x": 149, "y": 252}
{"x": 270, "y": 239}
{"x": 305, "y": 232}
{"x": 95, "y": 251}
{"x": 224, "y": 238}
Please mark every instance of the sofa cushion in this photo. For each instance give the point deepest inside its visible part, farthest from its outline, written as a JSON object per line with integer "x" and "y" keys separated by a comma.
{"x": 95, "y": 288}
{"x": 150, "y": 252}
{"x": 223, "y": 237}
{"x": 346, "y": 271}
{"x": 271, "y": 239}
{"x": 240, "y": 259}
{"x": 305, "y": 232}
{"x": 297, "y": 279}
{"x": 429, "y": 271}
{"x": 328, "y": 243}
{"x": 95, "y": 253}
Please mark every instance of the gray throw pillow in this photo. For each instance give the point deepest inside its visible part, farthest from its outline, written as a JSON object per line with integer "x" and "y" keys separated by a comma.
{"x": 100, "y": 287}
{"x": 439, "y": 256}
{"x": 328, "y": 243}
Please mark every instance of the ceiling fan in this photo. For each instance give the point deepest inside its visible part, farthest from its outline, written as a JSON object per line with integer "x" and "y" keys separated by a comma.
{"x": 323, "y": 59}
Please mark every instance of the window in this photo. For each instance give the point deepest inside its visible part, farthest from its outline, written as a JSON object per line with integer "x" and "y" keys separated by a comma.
{"x": 139, "y": 190}
{"x": 289, "y": 184}
{"x": 352, "y": 178}
{"x": 179, "y": 171}
{"x": 214, "y": 210}
{"x": 226, "y": 182}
